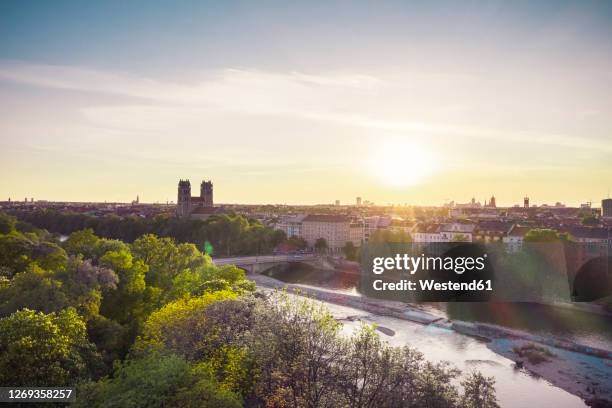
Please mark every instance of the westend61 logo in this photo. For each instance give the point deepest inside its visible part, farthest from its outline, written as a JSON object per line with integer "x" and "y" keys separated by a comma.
{"x": 405, "y": 263}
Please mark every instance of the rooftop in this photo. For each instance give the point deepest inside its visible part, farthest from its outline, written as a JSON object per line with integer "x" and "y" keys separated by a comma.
{"x": 326, "y": 218}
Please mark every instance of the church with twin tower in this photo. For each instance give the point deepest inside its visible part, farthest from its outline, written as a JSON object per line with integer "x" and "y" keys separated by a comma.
{"x": 196, "y": 207}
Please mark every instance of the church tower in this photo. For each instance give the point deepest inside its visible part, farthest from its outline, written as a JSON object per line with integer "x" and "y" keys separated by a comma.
{"x": 206, "y": 193}
{"x": 183, "y": 202}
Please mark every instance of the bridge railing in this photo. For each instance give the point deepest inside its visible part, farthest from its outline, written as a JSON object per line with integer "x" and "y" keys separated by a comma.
{"x": 256, "y": 259}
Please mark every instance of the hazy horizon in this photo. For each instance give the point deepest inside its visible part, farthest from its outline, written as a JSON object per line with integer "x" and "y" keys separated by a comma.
{"x": 307, "y": 103}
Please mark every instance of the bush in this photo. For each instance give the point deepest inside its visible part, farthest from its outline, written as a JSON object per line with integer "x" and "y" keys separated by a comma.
{"x": 533, "y": 353}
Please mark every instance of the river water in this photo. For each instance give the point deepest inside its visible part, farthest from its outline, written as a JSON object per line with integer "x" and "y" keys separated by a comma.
{"x": 586, "y": 328}
{"x": 515, "y": 388}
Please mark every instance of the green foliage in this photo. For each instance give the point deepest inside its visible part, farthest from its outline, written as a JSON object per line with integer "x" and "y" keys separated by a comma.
{"x": 84, "y": 243}
{"x": 35, "y": 289}
{"x": 223, "y": 235}
{"x": 156, "y": 381}
{"x": 541, "y": 235}
{"x": 589, "y": 219}
{"x": 479, "y": 392}
{"x": 207, "y": 278}
{"x": 295, "y": 243}
{"x": 390, "y": 236}
{"x": 38, "y": 349}
{"x": 321, "y": 245}
{"x": 166, "y": 259}
{"x": 350, "y": 251}
{"x": 161, "y": 324}
{"x": 7, "y": 223}
{"x": 18, "y": 251}
{"x": 194, "y": 334}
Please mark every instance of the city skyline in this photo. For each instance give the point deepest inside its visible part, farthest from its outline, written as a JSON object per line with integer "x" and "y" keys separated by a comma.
{"x": 307, "y": 104}
{"x": 358, "y": 201}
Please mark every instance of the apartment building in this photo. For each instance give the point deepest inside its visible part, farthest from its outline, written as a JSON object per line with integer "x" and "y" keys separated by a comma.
{"x": 335, "y": 229}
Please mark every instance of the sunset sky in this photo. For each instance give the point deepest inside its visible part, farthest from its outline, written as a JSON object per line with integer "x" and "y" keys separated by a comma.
{"x": 396, "y": 102}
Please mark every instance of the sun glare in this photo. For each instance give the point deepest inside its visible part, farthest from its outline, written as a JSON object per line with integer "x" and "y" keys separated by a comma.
{"x": 402, "y": 163}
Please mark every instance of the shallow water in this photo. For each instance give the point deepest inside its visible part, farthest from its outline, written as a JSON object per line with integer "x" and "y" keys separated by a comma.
{"x": 585, "y": 328}
{"x": 515, "y": 388}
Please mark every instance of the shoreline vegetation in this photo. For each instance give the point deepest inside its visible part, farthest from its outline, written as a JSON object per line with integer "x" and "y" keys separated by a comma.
{"x": 132, "y": 300}
{"x": 156, "y": 323}
{"x": 580, "y": 370}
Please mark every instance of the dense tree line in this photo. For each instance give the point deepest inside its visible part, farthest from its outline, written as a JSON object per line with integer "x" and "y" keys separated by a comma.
{"x": 220, "y": 235}
{"x": 155, "y": 323}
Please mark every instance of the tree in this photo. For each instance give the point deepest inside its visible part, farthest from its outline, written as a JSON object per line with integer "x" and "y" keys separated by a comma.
{"x": 38, "y": 349}
{"x": 479, "y": 392}
{"x": 390, "y": 236}
{"x": 350, "y": 251}
{"x": 7, "y": 223}
{"x": 166, "y": 259}
{"x": 321, "y": 245}
{"x": 84, "y": 243}
{"x": 589, "y": 219}
{"x": 460, "y": 238}
{"x": 84, "y": 284}
{"x": 156, "y": 381}
{"x": 160, "y": 327}
{"x": 296, "y": 242}
{"x": 541, "y": 235}
{"x": 127, "y": 304}
{"x": 35, "y": 289}
{"x": 15, "y": 253}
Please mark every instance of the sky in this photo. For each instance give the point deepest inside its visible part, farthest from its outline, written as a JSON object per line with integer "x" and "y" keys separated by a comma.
{"x": 303, "y": 103}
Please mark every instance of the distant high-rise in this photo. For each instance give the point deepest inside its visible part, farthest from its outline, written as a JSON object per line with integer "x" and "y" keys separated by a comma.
{"x": 492, "y": 202}
{"x": 337, "y": 202}
{"x": 526, "y": 202}
{"x": 358, "y": 201}
{"x": 606, "y": 208}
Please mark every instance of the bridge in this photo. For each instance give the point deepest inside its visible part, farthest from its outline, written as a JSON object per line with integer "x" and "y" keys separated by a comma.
{"x": 260, "y": 263}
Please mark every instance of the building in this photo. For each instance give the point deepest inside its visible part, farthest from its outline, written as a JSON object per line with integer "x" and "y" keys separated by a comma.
{"x": 456, "y": 232}
{"x": 591, "y": 243}
{"x": 206, "y": 194}
{"x": 335, "y": 229}
{"x": 492, "y": 203}
{"x": 356, "y": 232}
{"x": 526, "y": 202}
{"x": 373, "y": 224}
{"x": 199, "y": 207}
{"x": 291, "y": 225}
{"x": 358, "y": 201}
{"x": 426, "y": 232}
{"x": 606, "y": 208}
{"x": 491, "y": 230}
{"x": 515, "y": 238}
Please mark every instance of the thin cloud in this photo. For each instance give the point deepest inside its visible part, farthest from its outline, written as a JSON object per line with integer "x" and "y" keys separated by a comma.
{"x": 413, "y": 103}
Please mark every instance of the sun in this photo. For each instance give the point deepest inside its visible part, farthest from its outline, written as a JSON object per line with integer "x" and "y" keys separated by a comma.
{"x": 402, "y": 163}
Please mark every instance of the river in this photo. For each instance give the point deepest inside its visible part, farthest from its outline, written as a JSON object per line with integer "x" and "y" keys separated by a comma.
{"x": 586, "y": 328}
{"x": 516, "y": 388}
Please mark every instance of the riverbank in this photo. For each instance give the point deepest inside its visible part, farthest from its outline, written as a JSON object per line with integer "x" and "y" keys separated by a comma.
{"x": 583, "y": 371}
{"x": 586, "y": 376}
